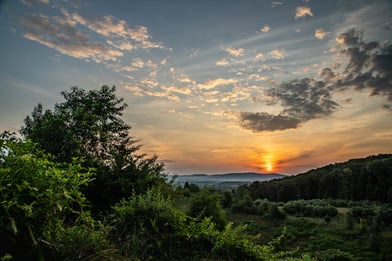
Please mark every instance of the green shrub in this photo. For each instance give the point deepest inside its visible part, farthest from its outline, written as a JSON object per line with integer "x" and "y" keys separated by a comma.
{"x": 334, "y": 255}
{"x": 207, "y": 204}
{"x": 38, "y": 198}
{"x": 147, "y": 225}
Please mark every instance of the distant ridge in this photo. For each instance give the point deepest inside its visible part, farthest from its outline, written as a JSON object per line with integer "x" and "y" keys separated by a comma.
{"x": 225, "y": 180}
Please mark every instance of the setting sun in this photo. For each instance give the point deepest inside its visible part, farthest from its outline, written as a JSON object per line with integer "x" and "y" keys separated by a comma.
{"x": 268, "y": 167}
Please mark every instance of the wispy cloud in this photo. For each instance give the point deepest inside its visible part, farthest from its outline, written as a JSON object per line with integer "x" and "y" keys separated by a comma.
{"x": 185, "y": 91}
{"x": 34, "y": 2}
{"x": 277, "y": 54}
{"x": 68, "y": 35}
{"x": 222, "y": 62}
{"x": 235, "y": 52}
{"x": 265, "y": 29}
{"x": 320, "y": 33}
{"x": 110, "y": 26}
{"x": 211, "y": 84}
{"x": 59, "y": 34}
{"x": 303, "y": 11}
{"x": 276, "y": 3}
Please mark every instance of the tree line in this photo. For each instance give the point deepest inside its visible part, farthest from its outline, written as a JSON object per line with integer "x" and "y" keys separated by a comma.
{"x": 357, "y": 179}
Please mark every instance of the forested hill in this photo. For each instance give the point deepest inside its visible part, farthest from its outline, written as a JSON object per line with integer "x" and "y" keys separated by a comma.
{"x": 357, "y": 179}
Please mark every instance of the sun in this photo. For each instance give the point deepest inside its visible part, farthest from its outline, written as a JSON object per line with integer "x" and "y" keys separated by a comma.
{"x": 269, "y": 167}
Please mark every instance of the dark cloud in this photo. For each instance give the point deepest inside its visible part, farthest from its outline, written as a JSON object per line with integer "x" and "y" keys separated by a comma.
{"x": 302, "y": 99}
{"x": 305, "y": 99}
{"x": 369, "y": 64}
{"x": 262, "y": 121}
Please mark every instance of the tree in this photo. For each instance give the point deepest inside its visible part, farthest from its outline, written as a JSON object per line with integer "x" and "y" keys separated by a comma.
{"x": 88, "y": 126}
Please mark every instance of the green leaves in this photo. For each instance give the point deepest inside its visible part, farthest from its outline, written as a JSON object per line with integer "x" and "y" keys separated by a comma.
{"x": 37, "y": 196}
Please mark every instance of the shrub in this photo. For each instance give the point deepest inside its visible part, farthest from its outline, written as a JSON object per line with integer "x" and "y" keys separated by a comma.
{"x": 38, "y": 199}
{"x": 207, "y": 204}
{"x": 147, "y": 225}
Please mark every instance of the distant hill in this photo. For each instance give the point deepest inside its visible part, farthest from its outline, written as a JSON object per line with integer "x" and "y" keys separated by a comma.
{"x": 357, "y": 179}
{"x": 225, "y": 181}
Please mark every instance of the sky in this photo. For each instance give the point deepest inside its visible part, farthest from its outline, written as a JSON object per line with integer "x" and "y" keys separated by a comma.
{"x": 213, "y": 86}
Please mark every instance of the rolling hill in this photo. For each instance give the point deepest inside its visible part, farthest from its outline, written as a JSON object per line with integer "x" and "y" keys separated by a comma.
{"x": 225, "y": 181}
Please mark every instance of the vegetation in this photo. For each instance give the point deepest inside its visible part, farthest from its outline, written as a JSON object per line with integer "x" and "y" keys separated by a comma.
{"x": 358, "y": 179}
{"x": 76, "y": 188}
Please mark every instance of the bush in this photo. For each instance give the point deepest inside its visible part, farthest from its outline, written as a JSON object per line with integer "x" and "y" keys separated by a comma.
{"x": 38, "y": 199}
{"x": 207, "y": 204}
{"x": 334, "y": 255}
{"x": 147, "y": 225}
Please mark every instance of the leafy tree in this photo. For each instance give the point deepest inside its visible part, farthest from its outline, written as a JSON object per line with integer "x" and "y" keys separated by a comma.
{"x": 88, "y": 126}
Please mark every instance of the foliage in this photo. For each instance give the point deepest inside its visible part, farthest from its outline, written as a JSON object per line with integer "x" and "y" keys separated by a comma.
{"x": 147, "y": 226}
{"x": 358, "y": 179}
{"x": 207, "y": 203}
{"x": 37, "y": 197}
{"x": 88, "y": 126}
{"x": 310, "y": 208}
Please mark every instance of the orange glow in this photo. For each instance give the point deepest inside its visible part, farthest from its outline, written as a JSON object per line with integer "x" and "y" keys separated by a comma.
{"x": 268, "y": 167}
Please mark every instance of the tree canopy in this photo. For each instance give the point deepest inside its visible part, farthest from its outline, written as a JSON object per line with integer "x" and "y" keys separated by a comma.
{"x": 88, "y": 125}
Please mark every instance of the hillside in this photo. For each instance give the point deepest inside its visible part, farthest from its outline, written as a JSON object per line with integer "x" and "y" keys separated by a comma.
{"x": 367, "y": 178}
{"x": 225, "y": 181}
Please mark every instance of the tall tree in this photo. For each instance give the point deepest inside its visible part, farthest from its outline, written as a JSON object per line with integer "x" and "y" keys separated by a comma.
{"x": 88, "y": 126}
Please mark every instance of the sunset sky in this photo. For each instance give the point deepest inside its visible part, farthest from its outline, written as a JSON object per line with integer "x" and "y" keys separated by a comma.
{"x": 213, "y": 86}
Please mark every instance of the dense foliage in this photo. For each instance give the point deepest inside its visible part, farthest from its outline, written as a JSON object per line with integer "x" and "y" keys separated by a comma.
{"x": 40, "y": 200}
{"x": 88, "y": 126}
{"x": 358, "y": 179}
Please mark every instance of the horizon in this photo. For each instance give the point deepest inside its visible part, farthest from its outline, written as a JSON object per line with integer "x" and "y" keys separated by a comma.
{"x": 213, "y": 86}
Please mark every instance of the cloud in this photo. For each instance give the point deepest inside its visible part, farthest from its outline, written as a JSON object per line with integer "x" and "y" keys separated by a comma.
{"x": 68, "y": 35}
{"x": 260, "y": 56}
{"x": 134, "y": 89}
{"x": 138, "y": 63}
{"x": 184, "y": 78}
{"x": 237, "y": 94}
{"x": 262, "y": 121}
{"x": 109, "y": 26}
{"x": 302, "y": 11}
{"x": 211, "y": 84}
{"x": 320, "y": 33}
{"x": 369, "y": 64}
{"x": 350, "y": 37}
{"x": 277, "y": 54}
{"x": 34, "y": 2}
{"x": 304, "y": 99}
{"x": 185, "y": 91}
{"x": 222, "y": 62}
{"x": 235, "y": 52}
{"x": 60, "y": 35}
{"x": 276, "y": 3}
{"x": 149, "y": 82}
{"x": 265, "y": 29}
